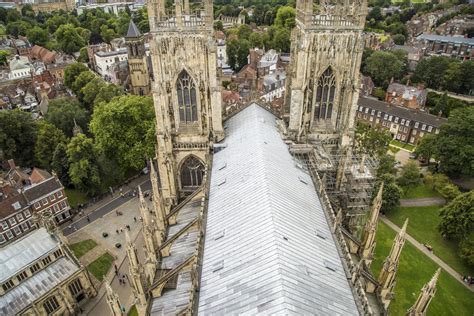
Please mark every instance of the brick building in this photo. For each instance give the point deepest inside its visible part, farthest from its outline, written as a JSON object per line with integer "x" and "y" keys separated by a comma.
{"x": 406, "y": 96}
{"x": 406, "y": 125}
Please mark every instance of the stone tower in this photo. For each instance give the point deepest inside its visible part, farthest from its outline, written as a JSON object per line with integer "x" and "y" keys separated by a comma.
{"x": 326, "y": 51}
{"x": 137, "y": 61}
{"x": 186, "y": 94}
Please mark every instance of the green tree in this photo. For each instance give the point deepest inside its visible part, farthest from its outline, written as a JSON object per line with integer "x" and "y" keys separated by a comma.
{"x": 409, "y": 175}
{"x": 399, "y": 39}
{"x": 218, "y": 26}
{"x": 18, "y": 28}
{"x": 81, "y": 81}
{"x": 256, "y": 40}
{"x": 69, "y": 40}
{"x": 466, "y": 249}
{"x": 386, "y": 165}
{"x": 3, "y": 57}
{"x": 83, "y": 166}
{"x": 244, "y": 31}
{"x": 124, "y": 128}
{"x": 37, "y": 36}
{"x": 281, "y": 40}
{"x": 383, "y": 66}
{"x": 71, "y": 72}
{"x": 370, "y": 140}
{"x": 63, "y": 112}
{"x": 455, "y": 143}
{"x": 17, "y": 137}
{"x": 90, "y": 92}
{"x": 27, "y": 11}
{"x": 83, "y": 55}
{"x": 442, "y": 106}
{"x": 49, "y": 136}
{"x": 54, "y": 22}
{"x": 285, "y": 17}
{"x": 60, "y": 164}
{"x": 107, "y": 93}
{"x": 431, "y": 71}
{"x": 107, "y": 33}
{"x": 453, "y": 77}
{"x": 467, "y": 77}
{"x": 426, "y": 147}
{"x": 457, "y": 217}
{"x": 391, "y": 192}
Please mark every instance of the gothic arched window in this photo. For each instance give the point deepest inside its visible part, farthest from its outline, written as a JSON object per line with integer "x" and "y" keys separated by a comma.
{"x": 325, "y": 95}
{"x": 192, "y": 172}
{"x": 186, "y": 98}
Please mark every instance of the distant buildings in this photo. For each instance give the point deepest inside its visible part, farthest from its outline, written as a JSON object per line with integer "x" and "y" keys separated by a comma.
{"x": 20, "y": 67}
{"x": 48, "y": 6}
{"x": 451, "y": 46}
{"x": 140, "y": 81}
{"x": 406, "y": 96}
{"x": 406, "y": 125}
{"x": 274, "y": 85}
{"x": 105, "y": 60}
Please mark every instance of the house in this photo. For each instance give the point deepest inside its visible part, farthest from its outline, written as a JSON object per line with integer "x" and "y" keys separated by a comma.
{"x": 230, "y": 97}
{"x": 268, "y": 63}
{"x": 414, "y": 54}
{"x": 42, "y": 54}
{"x": 366, "y": 86}
{"x": 405, "y": 124}
{"x": 104, "y": 60}
{"x": 274, "y": 85}
{"x": 406, "y": 96}
{"x": 20, "y": 67}
{"x": 451, "y": 46}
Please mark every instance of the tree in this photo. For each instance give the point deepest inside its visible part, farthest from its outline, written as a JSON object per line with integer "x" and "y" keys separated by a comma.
{"x": 457, "y": 217}
{"x": 90, "y": 92}
{"x": 81, "y": 81}
{"x": 256, "y": 40}
{"x": 218, "y": 26}
{"x": 83, "y": 55}
{"x": 83, "y": 166}
{"x": 244, "y": 31}
{"x": 18, "y": 28}
{"x": 383, "y": 66}
{"x": 442, "y": 105}
{"x": 426, "y": 147}
{"x": 27, "y": 11}
{"x": 285, "y": 17}
{"x": 372, "y": 141}
{"x": 69, "y": 40}
{"x": 431, "y": 71}
{"x": 453, "y": 77}
{"x": 71, "y": 72}
{"x": 54, "y": 22}
{"x": 467, "y": 77}
{"x": 63, "y": 112}
{"x": 391, "y": 192}
{"x": 108, "y": 92}
{"x": 60, "y": 164}
{"x": 455, "y": 143}
{"x": 386, "y": 165}
{"x": 281, "y": 40}
{"x": 375, "y": 13}
{"x": 231, "y": 50}
{"x": 409, "y": 175}
{"x": 107, "y": 34}
{"x": 124, "y": 128}
{"x": 466, "y": 249}
{"x": 49, "y": 136}
{"x": 17, "y": 137}
{"x": 38, "y": 36}
{"x": 398, "y": 39}
{"x": 3, "y": 57}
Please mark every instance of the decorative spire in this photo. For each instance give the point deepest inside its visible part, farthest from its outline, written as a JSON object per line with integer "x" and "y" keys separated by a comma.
{"x": 131, "y": 252}
{"x": 368, "y": 241}
{"x": 144, "y": 209}
{"x": 337, "y": 220}
{"x": 149, "y": 237}
{"x": 390, "y": 266}
{"x": 135, "y": 273}
{"x": 76, "y": 130}
{"x": 113, "y": 301}
{"x": 157, "y": 199}
{"x": 133, "y": 30}
{"x": 427, "y": 293}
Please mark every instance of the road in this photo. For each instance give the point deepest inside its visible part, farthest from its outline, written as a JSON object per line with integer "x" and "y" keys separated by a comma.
{"x": 428, "y": 253}
{"x": 102, "y": 210}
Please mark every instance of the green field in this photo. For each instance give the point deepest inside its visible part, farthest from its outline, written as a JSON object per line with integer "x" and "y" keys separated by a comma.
{"x": 100, "y": 266}
{"x": 420, "y": 191}
{"x": 416, "y": 269}
{"x": 82, "y": 247}
{"x": 423, "y": 226}
{"x": 406, "y": 146}
{"x": 75, "y": 197}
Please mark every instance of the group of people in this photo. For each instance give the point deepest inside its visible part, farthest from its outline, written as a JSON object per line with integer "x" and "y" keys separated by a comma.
{"x": 123, "y": 278}
{"x": 468, "y": 279}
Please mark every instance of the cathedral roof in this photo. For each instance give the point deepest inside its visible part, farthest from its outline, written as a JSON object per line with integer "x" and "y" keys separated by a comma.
{"x": 133, "y": 30}
{"x": 268, "y": 246}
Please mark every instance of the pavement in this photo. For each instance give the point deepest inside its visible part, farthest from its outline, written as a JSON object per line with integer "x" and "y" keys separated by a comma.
{"x": 423, "y": 201}
{"x": 428, "y": 253}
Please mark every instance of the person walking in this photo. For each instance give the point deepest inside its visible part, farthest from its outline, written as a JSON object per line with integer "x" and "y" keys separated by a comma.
{"x": 88, "y": 218}
{"x": 134, "y": 219}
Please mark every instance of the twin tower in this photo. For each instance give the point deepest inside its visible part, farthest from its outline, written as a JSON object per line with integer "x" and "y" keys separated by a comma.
{"x": 326, "y": 52}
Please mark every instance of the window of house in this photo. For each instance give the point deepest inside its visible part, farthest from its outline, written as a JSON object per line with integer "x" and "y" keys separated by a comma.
{"x": 371, "y": 118}
{"x": 396, "y": 120}
{"x": 412, "y": 140}
{"x": 361, "y": 108}
{"x": 398, "y": 136}
{"x": 2, "y": 239}
{"x": 402, "y": 122}
{"x": 12, "y": 221}
{"x": 385, "y": 116}
{"x": 27, "y": 213}
{"x": 372, "y": 113}
{"x": 403, "y": 137}
{"x": 34, "y": 268}
{"x": 46, "y": 260}
{"x": 59, "y": 194}
{"x": 51, "y": 305}
{"x": 24, "y": 226}
{"x": 44, "y": 201}
{"x": 52, "y": 197}
{"x": 63, "y": 205}
{"x": 366, "y": 110}
{"x": 422, "y": 134}
{"x": 37, "y": 205}
{"x": 325, "y": 93}
{"x": 17, "y": 230}
{"x": 430, "y": 128}
{"x": 407, "y": 123}
{"x": 390, "y": 118}
{"x": 56, "y": 208}
{"x": 414, "y": 132}
{"x": 379, "y": 114}
{"x": 21, "y": 276}
{"x": 4, "y": 225}
{"x": 187, "y": 98}
{"x": 359, "y": 115}
{"x": 19, "y": 217}
{"x": 57, "y": 253}
{"x": 437, "y": 131}
{"x": 9, "y": 234}
{"x": 423, "y": 127}
{"x": 417, "y": 124}
{"x": 7, "y": 285}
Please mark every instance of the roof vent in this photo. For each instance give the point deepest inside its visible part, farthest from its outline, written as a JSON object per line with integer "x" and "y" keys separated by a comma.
{"x": 220, "y": 234}
{"x": 329, "y": 265}
{"x": 303, "y": 180}
{"x": 321, "y": 234}
{"x": 223, "y": 166}
{"x": 218, "y": 266}
{"x": 222, "y": 182}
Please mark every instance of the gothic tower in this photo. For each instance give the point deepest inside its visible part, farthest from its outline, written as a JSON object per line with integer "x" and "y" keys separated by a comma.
{"x": 326, "y": 51}
{"x": 137, "y": 61}
{"x": 186, "y": 94}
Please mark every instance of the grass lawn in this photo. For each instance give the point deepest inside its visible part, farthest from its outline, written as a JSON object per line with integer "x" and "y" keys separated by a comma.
{"x": 82, "y": 247}
{"x": 416, "y": 269}
{"x": 393, "y": 149}
{"x": 406, "y": 146}
{"x": 423, "y": 226}
{"x": 75, "y": 197}
{"x": 420, "y": 191}
{"x": 133, "y": 311}
{"x": 100, "y": 266}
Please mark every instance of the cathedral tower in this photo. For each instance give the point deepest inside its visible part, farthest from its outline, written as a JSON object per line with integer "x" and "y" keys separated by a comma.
{"x": 326, "y": 52}
{"x": 137, "y": 61}
{"x": 186, "y": 94}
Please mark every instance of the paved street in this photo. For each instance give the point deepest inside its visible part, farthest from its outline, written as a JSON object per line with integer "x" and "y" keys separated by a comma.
{"x": 105, "y": 209}
{"x": 428, "y": 253}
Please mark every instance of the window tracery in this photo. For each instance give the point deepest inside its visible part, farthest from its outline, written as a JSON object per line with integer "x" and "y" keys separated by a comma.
{"x": 187, "y": 101}
{"x": 192, "y": 172}
{"x": 325, "y": 93}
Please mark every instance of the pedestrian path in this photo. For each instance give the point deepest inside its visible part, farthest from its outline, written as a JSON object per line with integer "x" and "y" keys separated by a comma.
{"x": 423, "y": 201}
{"x": 428, "y": 253}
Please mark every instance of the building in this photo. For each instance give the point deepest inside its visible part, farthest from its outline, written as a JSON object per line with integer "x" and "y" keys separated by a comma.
{"x": 20, "y": 67}
{"x": 49, "y": 6}
{"x": 268, "y": 63}
{"x": 137, "y": 61}
{"x": 406, "y": 96}
{"x": 231, "y": 21}
{"x": 112, "y": 7}
{"x": 42, "y": 54}
{"x": 41, "y": 276}
{"x": 451, "y": 46}
{"x": 406, "y": 125}
{"x": 105, "y": 60}
{"x": 274, "y": 85}
{"x": 366, "y": 86}
{"x": 414, "y": 55}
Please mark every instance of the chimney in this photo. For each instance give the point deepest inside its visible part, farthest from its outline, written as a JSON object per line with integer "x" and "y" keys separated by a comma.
{"x": 11, "y": 163}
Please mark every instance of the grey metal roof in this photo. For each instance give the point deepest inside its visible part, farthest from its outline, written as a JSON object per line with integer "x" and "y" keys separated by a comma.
{"x": 16, "y": 256}
{"x": 262, "y": 254}
{"x": 18, "y": 298}
{"x": 447, "y": 39}
{"x": 133, "y": 30}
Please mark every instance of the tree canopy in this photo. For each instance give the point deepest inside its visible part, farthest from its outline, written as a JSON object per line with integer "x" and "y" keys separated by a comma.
{"x": 371, "y": 140}
{"x": 457, "y": 217}
{"x": 382, "y": 66}
{"x": 49, "y": 136}
{"x": 63, "y": 112}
